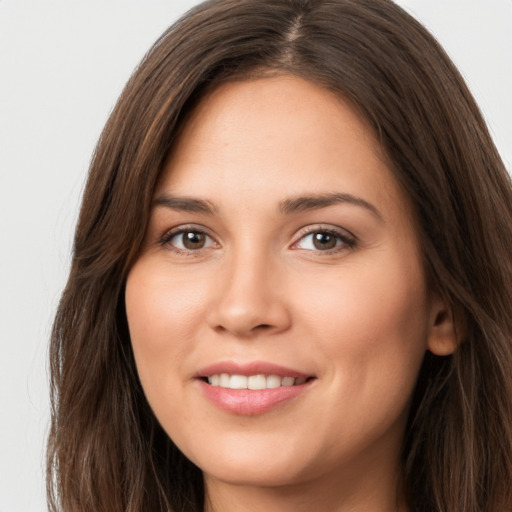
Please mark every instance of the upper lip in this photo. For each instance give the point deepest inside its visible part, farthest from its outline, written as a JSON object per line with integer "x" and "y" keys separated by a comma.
{"x": 250, "y": 368}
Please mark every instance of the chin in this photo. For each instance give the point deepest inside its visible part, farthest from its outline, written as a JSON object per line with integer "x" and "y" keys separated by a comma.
{"x": 252, "y": 464}
{"x": 259, "y": 463}
{"x": 244, "y": 473}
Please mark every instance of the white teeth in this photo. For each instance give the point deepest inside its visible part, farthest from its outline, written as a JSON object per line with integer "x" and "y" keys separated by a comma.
{"x": 254, "y": 382}
{"x": 273, "y": 381}
{"x": 257, "y": 382}
{"x": 238, "y": 382}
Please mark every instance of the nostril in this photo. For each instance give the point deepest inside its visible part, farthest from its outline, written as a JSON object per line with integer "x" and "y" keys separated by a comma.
{"x": 245, "y": 317}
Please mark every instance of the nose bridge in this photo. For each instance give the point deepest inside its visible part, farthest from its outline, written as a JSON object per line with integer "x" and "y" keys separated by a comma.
{"x": 248, "y": 297}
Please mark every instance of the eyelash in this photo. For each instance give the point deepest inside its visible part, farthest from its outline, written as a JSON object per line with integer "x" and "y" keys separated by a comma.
{"x": 346, "y": 239}
{"x": 169, "y": 235}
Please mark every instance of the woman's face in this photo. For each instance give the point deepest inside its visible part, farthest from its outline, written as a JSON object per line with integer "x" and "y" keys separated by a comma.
{"x": 281, "y": 255}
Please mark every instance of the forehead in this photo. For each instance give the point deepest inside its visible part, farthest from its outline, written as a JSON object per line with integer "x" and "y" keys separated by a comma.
{"x": 276, "y": 137}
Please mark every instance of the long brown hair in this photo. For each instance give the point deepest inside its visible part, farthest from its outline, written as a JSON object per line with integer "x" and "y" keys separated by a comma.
{"x": 106, "y": 451}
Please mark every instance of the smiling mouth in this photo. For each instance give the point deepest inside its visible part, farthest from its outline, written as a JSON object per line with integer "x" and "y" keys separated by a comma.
{"x": 253, "y": 388}
{"x": 253, "y": 382}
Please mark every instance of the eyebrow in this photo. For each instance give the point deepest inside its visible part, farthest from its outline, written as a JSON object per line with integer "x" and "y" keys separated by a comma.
{"x": 317, "y": 201}
{"x": 286, "y": 207}
{"x": 188, "y": 204}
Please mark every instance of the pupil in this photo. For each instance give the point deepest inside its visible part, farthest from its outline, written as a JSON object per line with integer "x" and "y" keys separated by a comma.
{"x": 193, "y": 240}
{"x": 324, "y": 241}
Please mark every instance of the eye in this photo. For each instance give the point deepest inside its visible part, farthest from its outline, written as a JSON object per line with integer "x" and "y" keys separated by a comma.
{"x": 188, "y": 239}
{"x": 325, "y": 240}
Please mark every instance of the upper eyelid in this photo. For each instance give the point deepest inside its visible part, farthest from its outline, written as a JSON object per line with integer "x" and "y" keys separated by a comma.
{"x": 299, "y": 234}
{"x": 314, "y": 228}
{"x": 169, "y": 233}
{"x": 349, "y": 241}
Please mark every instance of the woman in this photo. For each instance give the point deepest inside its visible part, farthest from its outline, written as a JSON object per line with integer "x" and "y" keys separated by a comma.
{"x": 292, "y": 284}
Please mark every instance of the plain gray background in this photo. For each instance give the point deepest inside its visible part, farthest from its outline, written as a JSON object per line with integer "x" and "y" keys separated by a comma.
{"x": 62, "y": 66}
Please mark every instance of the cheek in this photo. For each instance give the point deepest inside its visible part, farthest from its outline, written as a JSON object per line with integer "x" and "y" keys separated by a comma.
{"x": 370, "y": 320}
{"x": 160, "y": 310}
{"x": 371, "y": 330}
{"x": 158, "y": 299}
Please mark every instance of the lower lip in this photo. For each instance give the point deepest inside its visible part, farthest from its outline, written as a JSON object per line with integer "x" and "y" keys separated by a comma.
{"x": 247, "y": 402}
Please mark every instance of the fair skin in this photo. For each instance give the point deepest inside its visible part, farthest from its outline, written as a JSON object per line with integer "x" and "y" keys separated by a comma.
{"x": 279, "y": 236}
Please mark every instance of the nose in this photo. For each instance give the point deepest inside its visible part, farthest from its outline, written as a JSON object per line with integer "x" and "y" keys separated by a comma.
{"x": 249, "y": 298}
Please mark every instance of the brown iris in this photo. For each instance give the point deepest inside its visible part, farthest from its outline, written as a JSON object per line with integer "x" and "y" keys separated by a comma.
{"x": 324, "y": 241}
{"x": 193, "y": 240}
